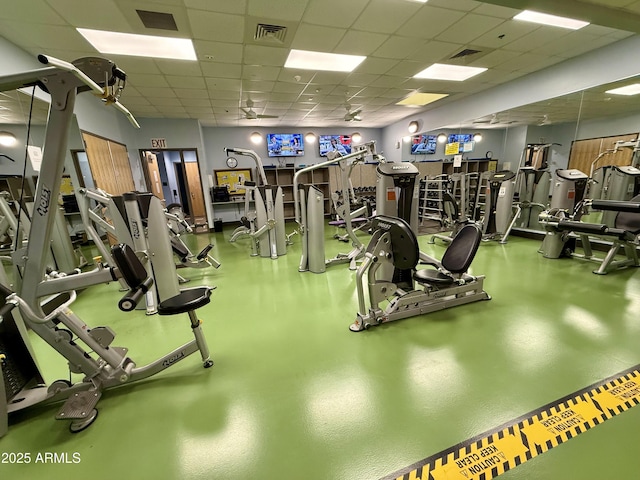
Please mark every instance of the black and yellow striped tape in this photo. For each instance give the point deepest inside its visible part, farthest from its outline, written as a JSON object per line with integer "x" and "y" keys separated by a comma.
{"x": 493, "y": 453}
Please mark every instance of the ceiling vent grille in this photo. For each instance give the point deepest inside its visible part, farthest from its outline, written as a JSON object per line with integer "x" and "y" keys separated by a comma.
{"x": 270, "y": 33}
{"x": 465, "y": 53}
{"x": 158, "y": 20}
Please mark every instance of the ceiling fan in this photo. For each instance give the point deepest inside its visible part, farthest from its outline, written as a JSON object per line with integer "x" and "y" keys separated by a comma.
{"x": 250, "y": 114}
{"x": 351, "y": 116}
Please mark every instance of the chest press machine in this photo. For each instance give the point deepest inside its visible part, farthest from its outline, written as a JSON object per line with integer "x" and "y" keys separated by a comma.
{"x": 390, "y": 263}
{"x": 88, "y": 351}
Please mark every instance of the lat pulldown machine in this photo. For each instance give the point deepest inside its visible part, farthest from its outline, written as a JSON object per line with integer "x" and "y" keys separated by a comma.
{"x": 265, "y": 224}
{"x": 89, "y": 351}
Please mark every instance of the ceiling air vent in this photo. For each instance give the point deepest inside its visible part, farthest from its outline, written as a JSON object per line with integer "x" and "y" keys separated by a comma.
{"x": 270, "y": 33}
{"x": 465, "y": 53}
{"x": 159, "y": 20}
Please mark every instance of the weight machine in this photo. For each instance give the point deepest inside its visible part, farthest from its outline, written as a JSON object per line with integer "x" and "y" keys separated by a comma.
{"x": 44, "y": 301}
{"x": 562, "y": 231}
{"x": 309, "y": 212}
{"x": 390, "y": 267}
{"x": 265, "y": 224}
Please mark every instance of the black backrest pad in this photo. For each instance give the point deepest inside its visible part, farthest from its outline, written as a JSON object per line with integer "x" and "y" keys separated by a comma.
{"x": 129, "y": 264}
{"x": 629, "y": 221}
{"x": 463, "y": 248}
{"x": 404, "y": 244}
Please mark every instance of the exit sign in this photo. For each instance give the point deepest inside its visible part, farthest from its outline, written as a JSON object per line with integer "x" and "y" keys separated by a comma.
{"x": 158, "y": 143}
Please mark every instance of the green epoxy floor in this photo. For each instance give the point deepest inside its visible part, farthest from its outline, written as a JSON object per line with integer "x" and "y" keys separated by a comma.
{"x": 295, "y": 395}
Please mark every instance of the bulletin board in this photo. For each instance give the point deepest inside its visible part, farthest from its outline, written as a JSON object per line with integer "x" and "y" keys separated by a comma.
{"x": 233, "y": 179}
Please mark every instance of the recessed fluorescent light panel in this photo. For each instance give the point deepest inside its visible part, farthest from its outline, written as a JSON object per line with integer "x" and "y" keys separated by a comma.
{"x": 139, "y": 45}
{"x": 552, "y": 20}
{"x": 633, "y": 89}
{"x": 331, "y": 62}
{"x": 456, "y": 73}
{"x": 419, "y": 99}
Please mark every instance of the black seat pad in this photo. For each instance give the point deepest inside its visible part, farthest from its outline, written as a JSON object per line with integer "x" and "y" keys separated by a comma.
{"x": 187, "y": 300}
{"x": 435, "y": 277}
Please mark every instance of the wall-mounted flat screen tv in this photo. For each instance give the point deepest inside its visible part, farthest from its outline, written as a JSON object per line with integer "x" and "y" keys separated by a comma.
{"x": 338, "y": 143}
{"x": 465, "y": 141}
{"x": 285, "y": 144}
{"x": 423, "y": 144}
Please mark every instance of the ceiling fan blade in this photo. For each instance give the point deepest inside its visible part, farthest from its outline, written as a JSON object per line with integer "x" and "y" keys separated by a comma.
{"x": 267, "y": 116}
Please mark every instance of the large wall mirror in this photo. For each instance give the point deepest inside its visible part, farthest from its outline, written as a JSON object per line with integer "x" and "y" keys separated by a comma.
{"x": 588, "y": 130}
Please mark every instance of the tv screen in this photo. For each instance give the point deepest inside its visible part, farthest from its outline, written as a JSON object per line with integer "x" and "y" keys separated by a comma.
{"x": 285, "y": 144}
{"x": 339, "y": 143}
{"x": 423, "y": 144}
{"x": 464, "y": 139}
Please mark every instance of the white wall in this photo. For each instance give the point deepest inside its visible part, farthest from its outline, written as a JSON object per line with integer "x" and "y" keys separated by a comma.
{"x": 215, "y": 139}
{"x": 607, "y": 64}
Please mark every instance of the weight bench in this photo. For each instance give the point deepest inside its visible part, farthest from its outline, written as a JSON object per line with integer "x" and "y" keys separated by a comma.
{"x": 623, "y": 235}
{"x": 390, "y": 264}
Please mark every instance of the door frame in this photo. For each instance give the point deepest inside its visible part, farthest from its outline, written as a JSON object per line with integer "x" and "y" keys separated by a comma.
{"x": 181, "y": 151}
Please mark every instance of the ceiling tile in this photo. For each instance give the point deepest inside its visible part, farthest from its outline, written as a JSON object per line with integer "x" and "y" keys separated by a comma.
{"x": 164, "y": 101}
{"x": 221, "y": 70}
{"x": 504, "y": 34}
{"x": 221, "y": 52}
{"x": 192, "y": 93}
{"x": 259, "y": 86}
{"x": 259, "y": 55}
{"x": 385, "y": 16}
{"x": 260, "y": 72}
{"x": 291, "y": 10}
{"x": 222, "y": 6}
{"x": 397, "y": 47}
{"x": 43, "y": 14}
{"x": 222, "y": 83}
{"x": 537, "y": 38}
{"x": 183, "y": 67}
{"x": 360, "y": 43}
{"x": 193, "y": 101}
{"x": 158, "y": 92}
{"x": 462, "y": 5}
{"x": 430, "y": 21}
{"x": 435, "y": 51}
{"x": 181, "y": 81}
{"x": 144, "y": 80}
{"x": 496, "y": 11}
{"x": 83, "y": 14}
{"x": 135, "y": 66}
{"x": 317, "y": 38}
{"x": 376, "y": 65}
{"x": 470, "y": 27}
{"x": 333, "y": 13}
{"x": 216, "y": 26}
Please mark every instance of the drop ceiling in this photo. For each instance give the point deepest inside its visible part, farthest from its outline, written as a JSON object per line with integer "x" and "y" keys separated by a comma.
{"x": 399, "y": 38}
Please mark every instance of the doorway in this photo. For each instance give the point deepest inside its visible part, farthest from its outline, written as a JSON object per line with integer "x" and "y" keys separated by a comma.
{"x": 174, "y": 176}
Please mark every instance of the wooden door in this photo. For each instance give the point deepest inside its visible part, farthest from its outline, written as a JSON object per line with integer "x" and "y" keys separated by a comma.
{"x": 152, "y": 174}
{"x": 584, "y": 152}
{"x": 109, "y": 164}
{"x": 192, "y": 175}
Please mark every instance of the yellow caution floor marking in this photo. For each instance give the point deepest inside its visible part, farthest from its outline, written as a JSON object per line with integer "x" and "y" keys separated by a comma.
{"x": 497, "y": 451}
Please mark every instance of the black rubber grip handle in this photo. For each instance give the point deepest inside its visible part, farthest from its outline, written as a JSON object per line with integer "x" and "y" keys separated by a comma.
{"x": 6, "y": 309}
{"x": 580, "y": 227}
{"x": 5, "y": 291}
{"x": 205, "y": 251}
{"x": 616, "y": 205}
{"x": 132, "y": 298}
